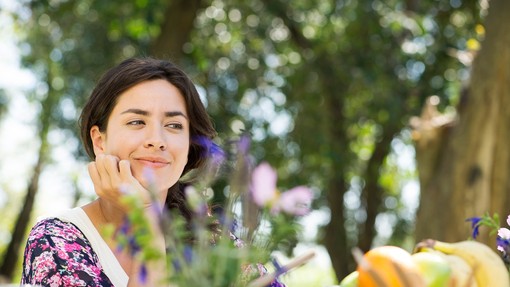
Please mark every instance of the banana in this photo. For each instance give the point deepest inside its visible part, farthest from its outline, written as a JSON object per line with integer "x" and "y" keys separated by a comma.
{"x": 488, "y": 267}
{"x": 462, "y": 273}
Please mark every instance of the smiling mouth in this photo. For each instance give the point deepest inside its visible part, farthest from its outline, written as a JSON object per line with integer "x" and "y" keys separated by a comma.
{"x": 153, "y": 162}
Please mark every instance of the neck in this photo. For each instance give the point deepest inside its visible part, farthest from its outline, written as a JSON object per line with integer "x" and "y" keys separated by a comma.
{"x": 108, "y": 213}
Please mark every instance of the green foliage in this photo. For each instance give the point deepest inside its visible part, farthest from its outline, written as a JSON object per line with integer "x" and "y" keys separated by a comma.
{"x": 352, "y": 74}
{"x": 492, "y": 222}
{"x": 319, "y": 85}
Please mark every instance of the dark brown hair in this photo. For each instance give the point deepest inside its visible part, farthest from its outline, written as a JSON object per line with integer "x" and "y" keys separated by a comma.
{"x": 131, "y": 72}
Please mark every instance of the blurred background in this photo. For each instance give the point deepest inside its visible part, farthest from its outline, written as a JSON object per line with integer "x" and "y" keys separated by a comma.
{"x": 394, "y": 111}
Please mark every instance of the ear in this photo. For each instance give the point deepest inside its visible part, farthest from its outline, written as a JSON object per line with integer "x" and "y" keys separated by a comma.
{"x": 98, "y": 140}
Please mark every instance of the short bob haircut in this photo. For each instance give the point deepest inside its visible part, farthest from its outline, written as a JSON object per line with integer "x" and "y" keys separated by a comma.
{"x": 131, "y": 72}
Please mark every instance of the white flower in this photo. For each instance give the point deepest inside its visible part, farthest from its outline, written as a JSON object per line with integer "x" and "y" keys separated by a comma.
{"x": 504, "y": 233}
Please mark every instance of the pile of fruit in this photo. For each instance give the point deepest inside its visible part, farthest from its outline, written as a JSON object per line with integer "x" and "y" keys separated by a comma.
{"x": 432, "y": 264}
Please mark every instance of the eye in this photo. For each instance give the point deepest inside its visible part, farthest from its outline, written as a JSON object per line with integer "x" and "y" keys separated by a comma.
{"x": 136, "y": 123}
{"x": 176, "y": 126}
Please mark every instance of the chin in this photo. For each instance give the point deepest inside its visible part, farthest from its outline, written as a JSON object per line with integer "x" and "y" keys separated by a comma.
{"x": 153, "y": 186}
{"x": 155, "y": 182}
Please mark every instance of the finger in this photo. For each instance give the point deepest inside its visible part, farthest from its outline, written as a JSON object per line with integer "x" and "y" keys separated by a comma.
{"x": 95, "y": 177}
{"x": 111, "y": 164}
{"x": 125, "y": 171}
{"x": 108, "y": 171}
{"x": 133, "y": 184}
{"x": 93, "y": 173}
{"x": 104, "y": 181}
{"x": 127, "y": 176}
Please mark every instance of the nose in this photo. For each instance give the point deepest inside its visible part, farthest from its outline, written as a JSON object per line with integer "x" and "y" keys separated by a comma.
{"x": 155, "y": 139}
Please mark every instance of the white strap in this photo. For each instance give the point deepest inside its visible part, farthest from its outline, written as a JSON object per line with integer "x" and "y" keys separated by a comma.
{"x": 111, "y": 265}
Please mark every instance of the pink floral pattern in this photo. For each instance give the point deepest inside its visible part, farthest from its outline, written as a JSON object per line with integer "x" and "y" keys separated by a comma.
{"x": 58, "y": 254}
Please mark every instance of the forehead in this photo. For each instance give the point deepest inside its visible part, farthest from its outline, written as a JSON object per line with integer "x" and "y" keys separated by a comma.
{"x": 152, "y": 95}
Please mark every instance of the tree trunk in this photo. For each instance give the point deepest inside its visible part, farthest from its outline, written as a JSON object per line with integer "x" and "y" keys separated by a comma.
{"x": 463, "y": 165}
{"x": 12, "y": 253}
{"x": 335, "y": 239}
{"x": 373, "y": 193}
{"x": 176, "y": 28}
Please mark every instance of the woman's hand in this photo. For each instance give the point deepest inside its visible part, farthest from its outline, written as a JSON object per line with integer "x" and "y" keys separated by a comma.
{"x": 112, "y": 178}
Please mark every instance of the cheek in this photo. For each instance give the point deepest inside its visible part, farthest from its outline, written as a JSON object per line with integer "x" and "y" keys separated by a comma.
{"x": 181, "y": 151}
{"x": 178, "y": 144}
{"x": 120, "y": 144}
{"x": 122, "y": 151}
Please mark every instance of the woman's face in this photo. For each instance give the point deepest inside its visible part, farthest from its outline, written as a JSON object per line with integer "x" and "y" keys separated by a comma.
{"x": 149, "y": 126}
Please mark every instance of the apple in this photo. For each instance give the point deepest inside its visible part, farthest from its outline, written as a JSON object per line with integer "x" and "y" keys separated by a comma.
{"x": 350, "y": 280}
{"x": 434, "y": 268}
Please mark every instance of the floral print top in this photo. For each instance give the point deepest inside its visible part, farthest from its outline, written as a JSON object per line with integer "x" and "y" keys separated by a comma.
{"x": 57, "y": 253}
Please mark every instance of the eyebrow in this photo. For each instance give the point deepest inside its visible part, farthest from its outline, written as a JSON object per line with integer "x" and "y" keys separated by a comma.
{"x": 146, "y": 113}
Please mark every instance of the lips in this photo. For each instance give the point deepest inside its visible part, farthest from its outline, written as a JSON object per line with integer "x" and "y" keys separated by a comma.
{"x": 154, "y": 162}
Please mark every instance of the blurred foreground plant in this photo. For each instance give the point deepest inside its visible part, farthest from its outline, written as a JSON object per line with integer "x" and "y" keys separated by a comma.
{"x": 226, "y": 247}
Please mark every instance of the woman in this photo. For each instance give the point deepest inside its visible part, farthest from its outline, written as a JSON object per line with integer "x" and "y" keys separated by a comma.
{"x": 141, "y": 119}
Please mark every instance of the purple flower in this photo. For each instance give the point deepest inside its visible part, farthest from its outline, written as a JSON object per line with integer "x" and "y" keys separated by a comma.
{"x": 133, "y": 245}
{"x": 279, "y": 269}
{"x": 143, "y": 274}
{"x": 188, "y": 254}
{"x": 475, "y": 225}
{"x": 244, "y": 144}
{"x": 123, "y": 231}
{"x": 177, "y": 265}
{"x": 263, "y": 185}
{"x": 296, "y": 201}
{"x": 210, "y": 149}
{"x": 214, "y": 155}
{"x": 182, "y": 263}
{"x": 217, "y": 155}
{"x": 503, "y": 245}
{"x": 503, "y": 241}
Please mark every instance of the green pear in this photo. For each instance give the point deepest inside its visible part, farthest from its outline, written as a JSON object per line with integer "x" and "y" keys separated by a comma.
{"x": 350, "y": 280}
{"x": 434, "y": 268}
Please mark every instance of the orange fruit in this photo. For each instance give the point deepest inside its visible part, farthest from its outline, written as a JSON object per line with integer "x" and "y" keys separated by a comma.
{"x": 389, "y": 266}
